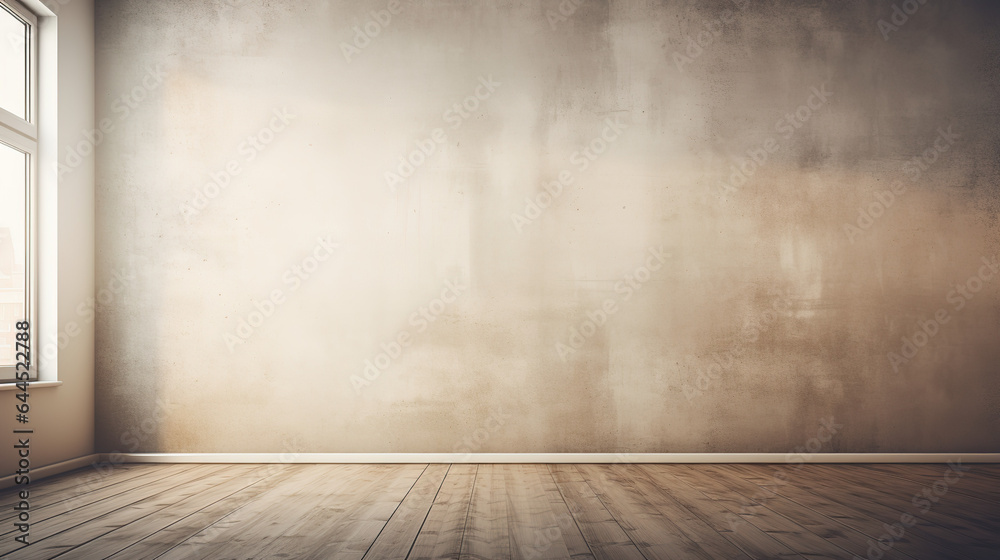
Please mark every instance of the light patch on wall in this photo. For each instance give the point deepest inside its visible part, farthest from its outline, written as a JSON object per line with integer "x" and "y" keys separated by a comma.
{"x": 802, "y": 265}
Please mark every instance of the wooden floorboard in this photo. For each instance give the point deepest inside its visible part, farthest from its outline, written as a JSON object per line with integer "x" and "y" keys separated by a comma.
{"x": 695, "y": 528}
{"x": 104, "y": 536}
{"x": 443, "y": 530}
{"x": 186, "y": 527}
{"x": 970, "y": 483}
{"x": 486, "y": 530}
{"x": 536, "y": 532}
{"x": 398, "y": 535}
{"x": 517, "y": 512}
{"x": 838, "y": 500}
{"x": 752, "y": 540}
{"x": 973, "y": 517}
{"x": 241, "y": 526}
{"x": 792, "y": 535}
{"x": 845, "y": 543}
{"x": 366, "y": 513}
{"x": 569, "y": 531}
{"x": 72, "y": 495}
{"x": 654, "y": 534}
{"x": 335, "y": 498}
{"x": 827, "y": 519}
{"x": 605, "y": 536}
{"x": 75, "y": 483}
{"x": 220, "y": 485}
{"x": 897, "y": 500}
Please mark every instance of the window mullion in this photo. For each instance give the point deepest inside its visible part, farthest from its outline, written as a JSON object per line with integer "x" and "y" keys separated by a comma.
{"x": 19, "y": 141}
{"x": 13, "y": 123}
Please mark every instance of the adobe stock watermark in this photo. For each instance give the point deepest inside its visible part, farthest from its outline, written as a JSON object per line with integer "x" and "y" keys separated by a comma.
{"x": 377, "y": 22}
{"x": 798, "y": 457}
{"x": 900, "y": 15}
{"x": 475, "y": 441}
{"x": 959, "y": 296}
{"x": 582, "y": 160}
{"x": 122, "y": 106}
{"x": 563, "y": 12}
{"x": 543, "y": 539}
{"x": 291, "y": 449}
{"x": 56, "y": 5}
{"x": 748, "y": 336}
{"x": 132, "y": 440}
{"x": 86, "y": 312}
{"x": 455, "y": 115}
{"x": 292, "y": 278}
{"x": 621, "y": 458}
{"x": 923, "y": 502}
{"x": 914, "y": 169}
{"x": 248, "y": 151}
{"x": 786, "y": 127}
{"x": 17, "y": 44}
{"x": 394, "y": 349}
{"x": 697, "y": 44}
{"x": 597, "y": 318}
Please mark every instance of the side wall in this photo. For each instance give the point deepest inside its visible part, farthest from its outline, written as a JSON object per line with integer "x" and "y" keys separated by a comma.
{"x": 62, "y": 417}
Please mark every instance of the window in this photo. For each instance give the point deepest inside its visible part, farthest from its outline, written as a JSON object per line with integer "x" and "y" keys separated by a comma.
{"x": 18, "y": 171}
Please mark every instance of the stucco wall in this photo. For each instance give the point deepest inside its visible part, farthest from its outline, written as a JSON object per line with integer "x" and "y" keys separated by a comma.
{"x": 272, "y": 240}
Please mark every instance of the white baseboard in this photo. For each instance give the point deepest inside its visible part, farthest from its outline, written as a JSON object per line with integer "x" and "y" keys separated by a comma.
{"x": 555, "y": 458}
{"x": 52, "y": 470}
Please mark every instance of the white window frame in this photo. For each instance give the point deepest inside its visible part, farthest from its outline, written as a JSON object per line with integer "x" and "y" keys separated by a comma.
{"x": 22, "y": 135}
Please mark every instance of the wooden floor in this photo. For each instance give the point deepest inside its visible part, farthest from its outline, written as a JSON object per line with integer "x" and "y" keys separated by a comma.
{"x": 511, "y": 511}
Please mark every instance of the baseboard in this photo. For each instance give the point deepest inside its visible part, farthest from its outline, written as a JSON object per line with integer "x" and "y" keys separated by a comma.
{"x": 556, "y": 457}
{"x": 54, "y": 469}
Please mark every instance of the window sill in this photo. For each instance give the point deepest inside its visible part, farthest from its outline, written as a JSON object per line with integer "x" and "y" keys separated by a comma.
{"x": 31, "y": 385}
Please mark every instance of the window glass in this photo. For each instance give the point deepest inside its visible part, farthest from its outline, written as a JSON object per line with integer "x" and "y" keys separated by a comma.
{"x": 13, "y": 63}
{"x": 13, "y": 246}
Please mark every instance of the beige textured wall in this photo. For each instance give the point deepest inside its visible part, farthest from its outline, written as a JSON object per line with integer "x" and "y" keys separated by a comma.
{"x": 272, "y": 242}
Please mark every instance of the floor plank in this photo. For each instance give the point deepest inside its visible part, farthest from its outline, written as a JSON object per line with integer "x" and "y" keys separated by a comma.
{"x": 844, "y": 538}
{"x": 55, "y": 522}
{"x": 605, "y": 536}
{"x": 510, "y": 511}
{"x": 486, "y": 532}
{"x": 354, "y": 521}
{"x": 536, "y": 533}
{"x": 78, "y": 482}
{"x": 823, "y": 517}
{"x": 899, "y": 496}
{"x": 223, "y": 483}
{"x": 397, "y": 537}
{"x": 572, "y": 538}
{"x": 655, "y": 534}
{"x": 781, "y": 528}
{"x": 972, "y": 484}
{"x": 862, "y": 514}
{"x": 45, "y": 509}
{"x": 187, "y": 527}
{"x": 985, "y": 469}
{"x": 342, "y": 487}
{"x": 971, "y": 512}
{"x": 715, "y": 543}
{"x": 748, "y": 537}
{"x": 242, "y": 526}
{"x": 106, "y": 532}
{"x": 441, "y": 536}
